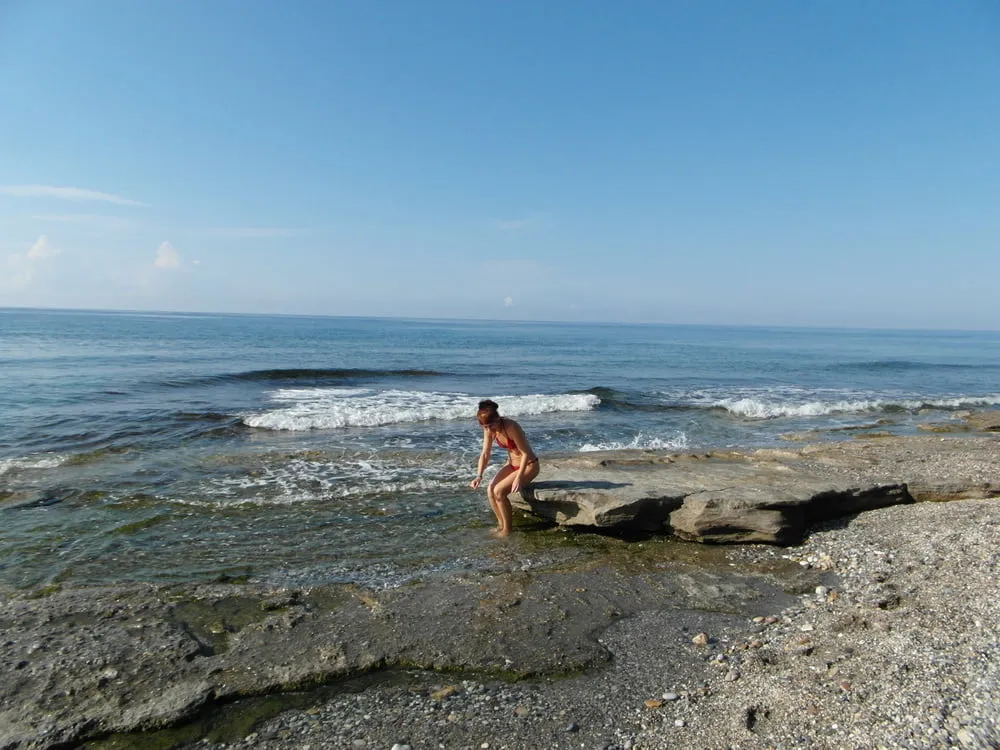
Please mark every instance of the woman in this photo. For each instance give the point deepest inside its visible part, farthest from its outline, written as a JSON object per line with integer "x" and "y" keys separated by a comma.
{"x": 520, "y": 469}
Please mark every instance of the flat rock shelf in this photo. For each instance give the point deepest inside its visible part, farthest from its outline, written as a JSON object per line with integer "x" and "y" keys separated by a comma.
{"x": 769, "y": 496}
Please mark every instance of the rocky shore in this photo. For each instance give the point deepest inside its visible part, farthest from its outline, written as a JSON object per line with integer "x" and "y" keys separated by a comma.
{"x": 899, "y": 651}
{"x": 766, "y": 495}
{"x": 878, "y": 630}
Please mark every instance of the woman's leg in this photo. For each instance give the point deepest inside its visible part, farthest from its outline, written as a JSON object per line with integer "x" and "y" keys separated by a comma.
{"x": 505, "y": 471}
{"x": 501, "y": 490}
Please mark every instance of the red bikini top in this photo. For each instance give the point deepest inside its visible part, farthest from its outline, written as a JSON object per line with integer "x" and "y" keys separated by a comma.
{"x": 507, "y": 444}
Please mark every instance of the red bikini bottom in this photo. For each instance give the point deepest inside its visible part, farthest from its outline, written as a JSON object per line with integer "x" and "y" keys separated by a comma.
{"x": 532, "y": 461}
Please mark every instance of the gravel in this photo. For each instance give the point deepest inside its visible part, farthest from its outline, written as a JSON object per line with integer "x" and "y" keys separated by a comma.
{"x": 898, "y": 648}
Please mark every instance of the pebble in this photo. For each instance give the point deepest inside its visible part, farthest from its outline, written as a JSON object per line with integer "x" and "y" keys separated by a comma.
{"x": 670, "y": 696}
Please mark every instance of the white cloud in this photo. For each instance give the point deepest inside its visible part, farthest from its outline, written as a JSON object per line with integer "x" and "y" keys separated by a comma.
{"x": 42, "y": 249}
{"x": 66, "y": 193}
{"x": 167, "y": 256}
{"x": 508, "y": 301}
{"x": 24, "y": 267}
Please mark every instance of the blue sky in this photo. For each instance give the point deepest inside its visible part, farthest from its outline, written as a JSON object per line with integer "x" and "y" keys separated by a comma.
{"x": 768, "y": 162}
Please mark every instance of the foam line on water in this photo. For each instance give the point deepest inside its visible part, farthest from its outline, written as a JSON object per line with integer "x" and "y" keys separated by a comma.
{"x": 639, "y": 442}
{"x": 296, "y": 481}
{"x": 41, "y": 461}
{"x": 757, "y": 408}
{"x": 333, "y": 408}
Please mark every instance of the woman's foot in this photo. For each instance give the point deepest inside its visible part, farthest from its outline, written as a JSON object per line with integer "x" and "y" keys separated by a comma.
{"x": 499, "y": 533}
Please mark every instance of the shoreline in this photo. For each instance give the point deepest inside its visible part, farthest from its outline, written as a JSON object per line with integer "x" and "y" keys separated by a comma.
{"x": 588, "y": 646}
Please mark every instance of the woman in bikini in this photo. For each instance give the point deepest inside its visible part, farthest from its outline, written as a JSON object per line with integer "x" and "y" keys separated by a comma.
{"x": 514, "y": 476}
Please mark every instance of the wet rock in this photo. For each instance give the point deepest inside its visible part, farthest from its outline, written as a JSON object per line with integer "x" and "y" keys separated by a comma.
{"x": 984, "y": 421}
{"x": 767, "y": 496}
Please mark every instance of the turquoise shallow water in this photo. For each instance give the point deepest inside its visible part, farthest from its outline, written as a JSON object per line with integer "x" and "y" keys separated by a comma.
{"x": 168, "y": 447}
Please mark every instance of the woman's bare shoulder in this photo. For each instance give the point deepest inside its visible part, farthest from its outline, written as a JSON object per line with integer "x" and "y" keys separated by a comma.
{"x": 510, "y": 423}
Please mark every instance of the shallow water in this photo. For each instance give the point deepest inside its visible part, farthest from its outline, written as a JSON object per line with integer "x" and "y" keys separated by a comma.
{"x": 296, "y": 450}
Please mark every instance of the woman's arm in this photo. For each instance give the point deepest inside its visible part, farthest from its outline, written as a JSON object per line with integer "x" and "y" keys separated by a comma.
{"x": 484, "y": 459}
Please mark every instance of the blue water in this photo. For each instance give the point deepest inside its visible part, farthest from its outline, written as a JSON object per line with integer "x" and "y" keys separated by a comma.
{"x": 303, "y": 450}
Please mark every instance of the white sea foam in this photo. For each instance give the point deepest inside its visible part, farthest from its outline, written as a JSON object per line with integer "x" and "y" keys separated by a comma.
{"x": 959, "y": 402}
{"x": 639, "y": 442}
{"x": 42, "y": 461}
{"x": 754, "y": 408}
{"x": 757, "y": 408}
{"x": 332, "y": 408}
{"x": 295, "y": 481}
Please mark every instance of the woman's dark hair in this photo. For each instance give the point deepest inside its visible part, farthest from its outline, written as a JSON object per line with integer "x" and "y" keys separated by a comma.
{"x": 488, "y": 412}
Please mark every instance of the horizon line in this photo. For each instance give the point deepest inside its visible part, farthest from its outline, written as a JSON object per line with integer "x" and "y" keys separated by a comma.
{"x": 133, "y": 311}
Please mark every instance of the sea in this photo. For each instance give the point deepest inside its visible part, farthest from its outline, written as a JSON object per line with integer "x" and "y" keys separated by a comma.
{"x": 301, "y": 451}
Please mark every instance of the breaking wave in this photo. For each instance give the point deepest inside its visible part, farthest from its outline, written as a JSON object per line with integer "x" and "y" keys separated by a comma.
{"x": 333, "y": 408}
{"x": 756, "y": 408}
{"x": 45, "y": 461}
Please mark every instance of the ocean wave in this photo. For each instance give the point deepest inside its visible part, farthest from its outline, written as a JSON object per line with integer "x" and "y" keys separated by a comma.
{"x": 611, "y": 398}
{"x": 304, "y": 375}
{"x": 890, "y": 365}
{"x": 43, "y": 461}
{"x": 334, "y": 408}
{"x": 755, "y": 408}
{"x": 639, "y": 442}
{"x": 331, "y": 374}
